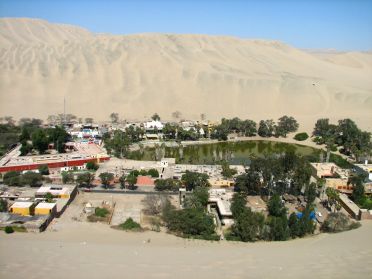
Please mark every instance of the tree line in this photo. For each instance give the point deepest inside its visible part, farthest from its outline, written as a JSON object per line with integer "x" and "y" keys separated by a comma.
{"x": 345, "y": 136}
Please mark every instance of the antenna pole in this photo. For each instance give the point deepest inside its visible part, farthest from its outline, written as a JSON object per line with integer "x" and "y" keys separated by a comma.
{"x": 64, "y": 111}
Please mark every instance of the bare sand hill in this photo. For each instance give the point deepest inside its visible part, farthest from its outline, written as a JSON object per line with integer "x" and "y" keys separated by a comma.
{"x": 137, "y": 75}
{"x": 84, "y": 250}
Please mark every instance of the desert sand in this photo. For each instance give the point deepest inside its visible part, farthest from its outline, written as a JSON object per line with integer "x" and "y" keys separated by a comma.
{"x": 137, "y": 75}
{"x": 84, "y": 250}
{"x": 74, "y": 248}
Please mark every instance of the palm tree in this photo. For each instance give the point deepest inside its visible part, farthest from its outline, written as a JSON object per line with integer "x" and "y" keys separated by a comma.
{"x": 333, "y": 198}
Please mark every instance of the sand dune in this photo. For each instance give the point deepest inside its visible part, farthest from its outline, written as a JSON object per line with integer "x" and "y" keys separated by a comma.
{"x": 95, "y": 251}
{"x": 137, "y": 75}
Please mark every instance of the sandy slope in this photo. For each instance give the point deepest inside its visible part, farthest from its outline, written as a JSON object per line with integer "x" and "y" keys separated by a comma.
{"x": 96, "y": 251}
{"x": 137, "y": 75}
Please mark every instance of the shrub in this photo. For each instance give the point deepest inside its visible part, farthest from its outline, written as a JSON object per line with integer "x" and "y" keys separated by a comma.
{"x": 12, "y": 178}
{"x": 49, "y": 198}
{"x": 168, "y": 184}
{"x": 153, "y": 173}
{"x": 92, "y": 166}
{"x": 130, "y": 225}
{"x": 190, "y": 222}
{"x": 3, "y": 205}
{"x": 44, "y": 170}
{"x": 334, "y": 148}
{"x": 101, "y": 212}
{"x": 301, "y": 136}
{"x": 9, "y": 229}
{"x": 32, "y": 178}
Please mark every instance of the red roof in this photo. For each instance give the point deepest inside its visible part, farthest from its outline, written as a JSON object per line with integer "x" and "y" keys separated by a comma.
{"x": 145, "y": 181}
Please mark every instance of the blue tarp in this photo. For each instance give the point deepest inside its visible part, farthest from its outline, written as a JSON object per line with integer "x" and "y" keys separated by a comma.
{"x": 312, "y": 215}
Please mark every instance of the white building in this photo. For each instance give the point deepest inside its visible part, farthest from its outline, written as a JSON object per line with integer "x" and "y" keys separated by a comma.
{"x": 152, "y": 125}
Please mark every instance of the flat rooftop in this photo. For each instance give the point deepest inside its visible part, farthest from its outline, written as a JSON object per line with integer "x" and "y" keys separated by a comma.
{"x": 222, "y": 199}
{"x": 83, "y": 151}
{"x": 22, "y": 204}
{"x": 47, "y": 205}
{"x": 329, "y": 169}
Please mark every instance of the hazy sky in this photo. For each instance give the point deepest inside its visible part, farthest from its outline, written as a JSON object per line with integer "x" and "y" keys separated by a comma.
{"x": 342, "y": 24}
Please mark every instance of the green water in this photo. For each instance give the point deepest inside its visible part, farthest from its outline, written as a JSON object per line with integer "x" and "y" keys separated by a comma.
{"x": 233, "y": 152}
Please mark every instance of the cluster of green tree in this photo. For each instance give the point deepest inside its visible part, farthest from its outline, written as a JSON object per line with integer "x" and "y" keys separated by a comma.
{"x": 93, "y": 166}
{"x": 235, "y": 125}
{"x": 172, "y": 131}
{"x": 227, "y": 172}
{"x": 155, "y": 117}
{"x": 191, "y": 134}
{"x": 9, "y": 134}
{"x": 3, "y": 205}
{"x": 248, "y": 225}
{"x": 169, "y": 184}
{"x": 67, "y": 177}
{"x": 44, "y": 170}
{"x": 151, "y": 172}
{"x": 248, "y": 128}
{"x": 31, "y": 135}
{"x": 34, "y": 137}
{"x": 191, "y": 180}
{"x": 287, "y": 173}
{"x": 118, "y": 142}
{"x": 15, "y": 178}
{"x": 358, "y": 195}
{"x": 301, "y": 136}
{"x": 346, "y": 135}
{"x": 333, "y": 200}
{"x": 131, "y": 179}
{"x": 192, "y": 221}
{"x": 130, "y": 225}
{"x": 252, "y": 226}
{"x": 82, "y": 180}
{"x": 285, "y": 125}
{"x": 338, "y": 222}
{"x": 106, "y": 178}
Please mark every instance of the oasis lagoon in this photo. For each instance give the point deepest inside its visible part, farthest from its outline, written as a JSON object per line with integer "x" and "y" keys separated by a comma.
{"x": 213, "y": 153}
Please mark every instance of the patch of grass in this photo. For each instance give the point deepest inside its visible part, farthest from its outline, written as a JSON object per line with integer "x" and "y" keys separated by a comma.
{"x": 130, "y": 225}
{"x": 211, "y": 237}
{"x": 101, "y": 212}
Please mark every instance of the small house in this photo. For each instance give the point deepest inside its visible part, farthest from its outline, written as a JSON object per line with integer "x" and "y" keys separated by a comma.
{"x": 22, "y": 208}
{"x": 45, "y": 208}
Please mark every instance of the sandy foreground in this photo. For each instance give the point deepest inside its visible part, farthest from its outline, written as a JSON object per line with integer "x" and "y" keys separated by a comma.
{"x": 84, "y": 250}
